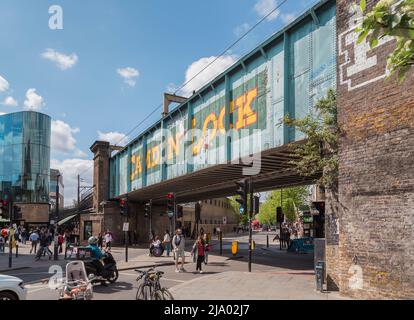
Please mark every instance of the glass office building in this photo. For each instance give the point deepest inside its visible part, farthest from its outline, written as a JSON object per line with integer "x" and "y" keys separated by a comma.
{"x": 25, "y": 157}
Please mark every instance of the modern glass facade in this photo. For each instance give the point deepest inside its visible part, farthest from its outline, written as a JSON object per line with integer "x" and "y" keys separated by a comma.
{"x": 25, "y": 157}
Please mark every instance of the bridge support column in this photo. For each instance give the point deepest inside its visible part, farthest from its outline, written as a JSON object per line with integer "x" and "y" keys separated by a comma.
{"x": 370, "y": 253}
{"x": 102, "y": 153}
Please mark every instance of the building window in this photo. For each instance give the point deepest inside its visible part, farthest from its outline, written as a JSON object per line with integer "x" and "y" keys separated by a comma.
{"x": 87, "y": 230}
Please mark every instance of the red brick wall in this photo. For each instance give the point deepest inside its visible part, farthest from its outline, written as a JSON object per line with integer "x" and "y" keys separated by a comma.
{"x": 373, "y": 256}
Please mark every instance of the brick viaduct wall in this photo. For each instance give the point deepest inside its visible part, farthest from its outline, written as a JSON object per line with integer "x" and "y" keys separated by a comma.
{"x": 370, "y": 238}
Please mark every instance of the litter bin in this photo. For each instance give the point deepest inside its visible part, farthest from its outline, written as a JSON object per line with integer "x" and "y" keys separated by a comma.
{"x": 320, "y": 275}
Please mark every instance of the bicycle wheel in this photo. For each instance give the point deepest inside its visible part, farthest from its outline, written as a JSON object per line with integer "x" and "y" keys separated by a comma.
{"x": 163, "y": 294}
{"x": 143, "y": 292}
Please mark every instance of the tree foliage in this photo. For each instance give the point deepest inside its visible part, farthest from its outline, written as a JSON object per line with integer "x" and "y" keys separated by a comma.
{"x": 393, "y": 18}
{"x": 291, "y": 198}
{"x": 319, "y": 153}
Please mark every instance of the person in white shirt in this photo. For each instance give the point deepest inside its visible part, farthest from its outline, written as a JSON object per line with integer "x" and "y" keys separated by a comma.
{"x": 167, "y": 242}
{"x": 108, "y": 240}
{"x": 34, "y": 238}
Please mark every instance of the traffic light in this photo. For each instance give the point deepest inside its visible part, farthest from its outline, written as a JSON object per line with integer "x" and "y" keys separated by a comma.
{"x": 4, "y": 208}
{"x": 256, "y": 204}
{"x": 279, "y": 215}
{"x": 170, "y": 204}
{"x": 242, "y": 190}
{"x": 179, "y": 212}
{"x": 147, "y": 210}
{"x": 123, "y": 207}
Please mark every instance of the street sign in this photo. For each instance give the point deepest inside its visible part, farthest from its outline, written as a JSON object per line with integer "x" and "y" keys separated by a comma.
{"x": 170, "y": 214}
{"x": 125, "y": 226}
{"x": 241, "y": 210}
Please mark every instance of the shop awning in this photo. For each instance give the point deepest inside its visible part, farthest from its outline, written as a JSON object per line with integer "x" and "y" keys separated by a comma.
{"x": 63, "y": 221}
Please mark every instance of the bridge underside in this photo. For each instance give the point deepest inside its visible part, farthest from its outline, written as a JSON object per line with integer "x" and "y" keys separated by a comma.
{"x": 219, "y": 180}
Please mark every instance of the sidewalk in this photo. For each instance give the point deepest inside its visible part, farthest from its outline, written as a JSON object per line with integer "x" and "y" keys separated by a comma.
{"x": 237, "y": 285}
{"x": 137, "y": 258}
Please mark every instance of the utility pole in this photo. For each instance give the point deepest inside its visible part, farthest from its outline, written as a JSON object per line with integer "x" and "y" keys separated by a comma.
{"x": 11, "y": 234}
{"x": 150, "y": 219}
{"x": 250, "y": 223}
{"x": 78, "y": 209}
{"x": 55, "y": 252}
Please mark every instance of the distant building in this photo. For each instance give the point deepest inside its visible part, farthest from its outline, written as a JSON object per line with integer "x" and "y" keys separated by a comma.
{"x": 215, "y": 213}
{"x": 56, "y": 176}
{"x": 25, "y": 164}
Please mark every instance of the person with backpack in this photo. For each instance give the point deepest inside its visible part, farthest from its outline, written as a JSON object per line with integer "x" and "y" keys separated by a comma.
{"x": 178, "y": 243}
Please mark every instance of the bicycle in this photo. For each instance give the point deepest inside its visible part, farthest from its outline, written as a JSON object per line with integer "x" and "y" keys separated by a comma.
{"x": 151, "y": 288}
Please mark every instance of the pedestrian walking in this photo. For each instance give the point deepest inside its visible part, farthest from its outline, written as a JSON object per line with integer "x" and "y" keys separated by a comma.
{"x": 100, "y": 240}
{"x": 61, "y": 239}
{"x": 34, "y": 239}
{"x": 108, "y": 240}
{"x": 198, "y": 252}
{"x": 43, "y": 246}
{"x": 179, "y": 246}
{"x": 167, "y": 242}
{"x": 2, "y": 241}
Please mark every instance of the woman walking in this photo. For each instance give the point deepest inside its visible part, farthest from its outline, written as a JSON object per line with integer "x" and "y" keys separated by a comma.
{"x": 198, "y": 253}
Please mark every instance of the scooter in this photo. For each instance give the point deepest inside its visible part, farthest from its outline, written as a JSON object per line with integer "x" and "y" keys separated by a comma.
{"x": 110, "y": 271}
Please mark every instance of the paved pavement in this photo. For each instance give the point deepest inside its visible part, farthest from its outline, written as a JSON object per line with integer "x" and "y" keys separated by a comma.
{"x": 276, "y": 274}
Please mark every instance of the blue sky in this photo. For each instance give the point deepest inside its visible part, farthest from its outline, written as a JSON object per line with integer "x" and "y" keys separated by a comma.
{"x": 108, "y": 67}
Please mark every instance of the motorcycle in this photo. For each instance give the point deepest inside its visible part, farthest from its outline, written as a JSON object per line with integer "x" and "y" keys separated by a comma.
{"x": 109, "y": 271}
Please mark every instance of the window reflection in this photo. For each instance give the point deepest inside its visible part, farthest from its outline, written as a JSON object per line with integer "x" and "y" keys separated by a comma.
{"x": 25, "y": 156}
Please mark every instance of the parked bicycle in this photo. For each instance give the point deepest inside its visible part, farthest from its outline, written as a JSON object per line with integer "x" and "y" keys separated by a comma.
{"x": 150, "y": 288}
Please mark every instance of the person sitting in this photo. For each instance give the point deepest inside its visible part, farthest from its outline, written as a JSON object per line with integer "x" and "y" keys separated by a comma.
{"x": 96, "y": 255}
{"x": 156, "y": 243}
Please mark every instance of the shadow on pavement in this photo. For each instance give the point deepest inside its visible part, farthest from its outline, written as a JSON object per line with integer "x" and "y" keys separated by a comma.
{"x": 113, "y": 287}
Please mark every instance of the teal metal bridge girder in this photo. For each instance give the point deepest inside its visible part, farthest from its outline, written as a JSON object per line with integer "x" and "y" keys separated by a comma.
{"x": 194, "y": 150}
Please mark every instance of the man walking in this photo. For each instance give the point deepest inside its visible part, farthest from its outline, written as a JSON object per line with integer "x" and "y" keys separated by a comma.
{"x": 34, "y": 239}
{"x": 179, "y": 246}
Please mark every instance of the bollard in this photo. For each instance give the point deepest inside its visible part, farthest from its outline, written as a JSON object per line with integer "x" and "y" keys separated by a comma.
{"x": 17, "y": 250}
{"x": 234, "y": 247}
{"x": 267, "y": 241}
{"x": 320, "y": 275}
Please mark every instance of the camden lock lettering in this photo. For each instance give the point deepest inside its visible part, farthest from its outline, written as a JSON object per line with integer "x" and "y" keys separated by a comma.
{"x": 213, "y": 125}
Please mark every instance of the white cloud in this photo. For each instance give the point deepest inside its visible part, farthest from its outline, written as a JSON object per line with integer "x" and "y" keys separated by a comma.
{"x": 241, "y": 30}
{"x": 63, "y": 140}
{"x": 4, "y": 84}
{"x": 61, "y": 60}
{"x": 113, "y": 137}
{"x": 129, "y": 75}
{"x": 33, "y": 100}
{"x": 213, "y": 70}
{"x": 70, "y": 168}
{"x": 10, "y": 102}
{"x": 264, "y": 7}
{"x": 287, "y": 17}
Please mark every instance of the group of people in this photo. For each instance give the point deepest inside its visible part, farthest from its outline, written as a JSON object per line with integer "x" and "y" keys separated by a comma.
{"x": 105, "y": 241}
{"x": 20, "y": 234}
{"x": 199, "y": 250}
